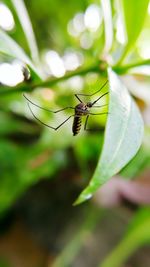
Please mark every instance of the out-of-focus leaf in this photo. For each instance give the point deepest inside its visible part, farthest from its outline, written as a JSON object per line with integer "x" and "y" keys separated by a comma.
{"x": 27, "y": 28}
{"x": 141, "y": 70}
{"x": 140, "y": 216}
{"x": 139, "y": 163}
{"x": 123, "y": 136}
{"x": 134, "y": 13}
{"x": 139, "y": 89}
{"x": 107, "y": 13}
{"x": 4, "y": 262}
{"x": 9, "y": 47}
{"x": 8, "y": 125}
{"x": 137, "y": 235}
{"x": 69, "y": 253}
{"x": 21, "y": 167}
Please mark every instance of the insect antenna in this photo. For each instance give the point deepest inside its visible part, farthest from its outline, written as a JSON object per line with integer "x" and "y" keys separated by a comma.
{"x": 99, "y": 98}
{"x": 76, "y": 95}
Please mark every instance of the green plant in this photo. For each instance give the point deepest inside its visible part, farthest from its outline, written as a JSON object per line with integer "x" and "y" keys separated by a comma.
{"x": 124, "y": 128}
{"x": 108, "y": 57}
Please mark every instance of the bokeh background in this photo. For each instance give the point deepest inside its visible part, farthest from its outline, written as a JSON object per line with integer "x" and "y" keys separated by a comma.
{"x": 43, "y": 171}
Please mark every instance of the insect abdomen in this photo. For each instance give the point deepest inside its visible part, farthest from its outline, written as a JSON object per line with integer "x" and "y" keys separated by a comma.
{"x": 76, "y": 125}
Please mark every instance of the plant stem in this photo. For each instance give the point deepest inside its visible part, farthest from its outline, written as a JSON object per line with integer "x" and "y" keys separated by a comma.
{"x": 123, "y": 56}
{"x": 97, "y": 68}
{"x": 123, "y": 69}
{"x": 80, "y": 72}
{"x": 128, "y": 246}
{"x": 66, "y": 257}
{"x": 49, "y": 82}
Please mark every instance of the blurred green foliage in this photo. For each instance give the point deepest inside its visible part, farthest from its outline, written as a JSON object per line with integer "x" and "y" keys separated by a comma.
{"x": 30, "y": 152}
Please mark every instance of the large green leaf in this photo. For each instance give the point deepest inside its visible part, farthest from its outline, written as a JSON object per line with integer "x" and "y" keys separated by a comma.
{"x": 9, "y": 47}
{"x": 123, "y": 136}
{"x": 134, "y": 13}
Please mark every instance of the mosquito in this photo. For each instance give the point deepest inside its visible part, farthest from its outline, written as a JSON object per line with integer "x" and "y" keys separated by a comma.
{"x": 80, "y": 110}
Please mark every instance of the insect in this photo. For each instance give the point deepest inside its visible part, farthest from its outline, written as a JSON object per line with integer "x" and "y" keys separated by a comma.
{"x": 80, "y": 110}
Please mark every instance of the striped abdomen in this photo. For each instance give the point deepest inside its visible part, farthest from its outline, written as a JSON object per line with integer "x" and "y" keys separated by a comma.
{"x": 76, "y": 125}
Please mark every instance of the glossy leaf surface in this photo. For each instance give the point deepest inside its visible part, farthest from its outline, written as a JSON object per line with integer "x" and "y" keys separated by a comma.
{"x": 123, "y": 136}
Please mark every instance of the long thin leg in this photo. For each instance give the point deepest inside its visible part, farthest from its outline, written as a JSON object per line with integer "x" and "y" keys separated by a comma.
{"x": 93, "y": 93}
{"x": 86, "y": 121}
{"x": 56, "y": 111}
{"x": 76, "y": 95}
{"x": 102, "y": 113}
{"x": 85, "y": 125}
{"x": 99, "y": 98}
{"x": 85, "y": 129}
{"x": 100, "y": 106}
{"x": 54, "y": 128}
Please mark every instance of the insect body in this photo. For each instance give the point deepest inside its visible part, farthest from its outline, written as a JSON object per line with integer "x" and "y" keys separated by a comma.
{"x": 80, "y": 110}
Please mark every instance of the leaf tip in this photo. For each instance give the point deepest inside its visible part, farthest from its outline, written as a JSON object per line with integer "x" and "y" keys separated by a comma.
{"x": 82, "y": 198}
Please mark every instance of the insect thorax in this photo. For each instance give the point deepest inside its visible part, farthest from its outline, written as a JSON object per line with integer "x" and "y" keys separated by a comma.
{"x": 81, "y": 109}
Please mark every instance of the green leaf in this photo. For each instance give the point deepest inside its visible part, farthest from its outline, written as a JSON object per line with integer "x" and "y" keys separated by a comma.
{"x": 108, "y": 24}
{"x": 134, "y": 13}
{"x": 137, "y": 165}
{"x": 72, "y": 249}
{"x": 123, "y": 136}
{"x": 137, "y": 235}
{"x": 27, "y": 28}
{"x": 142, "y": 159}
{"x": 19, "y": 169}
{"x": 9, "y": 47}
{"x": 140, "y": 216}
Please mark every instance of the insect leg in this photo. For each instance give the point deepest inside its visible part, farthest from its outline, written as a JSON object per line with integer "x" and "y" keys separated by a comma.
{"x": 102, "y": 113}
{"x": 76, "y": 95}
{"x": 100, "y": 106}
{"x": 56, "y": 111}
{"x": 93, "y": 93}
{"x": 86, "y": 123}
{"x": 63, "y": 123}
{"x": 85, "y": 126}
{"x": 54, "y": 128}
{"x": 99, "y": 98}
